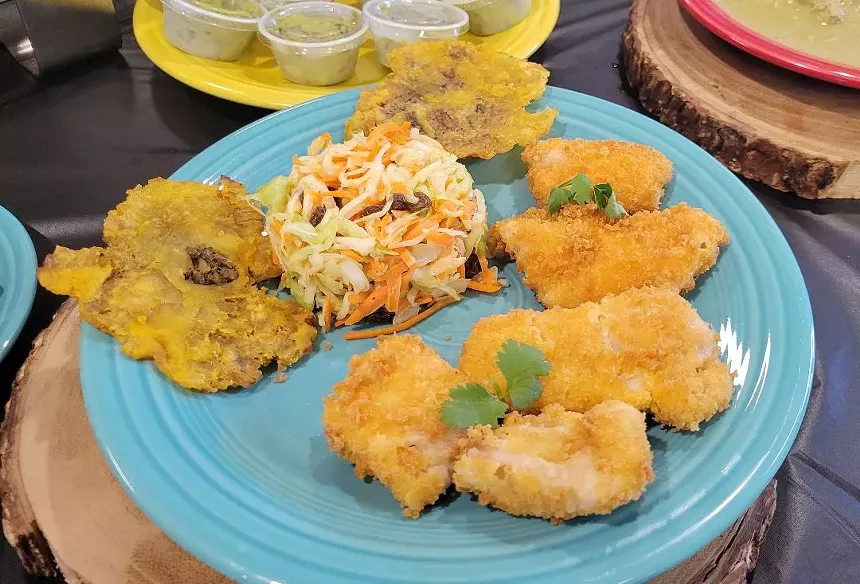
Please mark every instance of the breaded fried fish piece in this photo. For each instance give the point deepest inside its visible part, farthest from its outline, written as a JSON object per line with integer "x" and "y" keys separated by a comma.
{"x": 170, "y": 222}
{"x": 558, "y": 464}
{"x": 638, "y": 173}
{"x": 581, "y": 255}
{"x": 468, "y": 96}
{"x": 647, "y": 347}
{"x": 204, "y": 337}
{"x": 385, "y": 418}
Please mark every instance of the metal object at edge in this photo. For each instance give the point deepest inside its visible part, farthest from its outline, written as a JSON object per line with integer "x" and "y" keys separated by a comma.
{"x": 45, "y": 35}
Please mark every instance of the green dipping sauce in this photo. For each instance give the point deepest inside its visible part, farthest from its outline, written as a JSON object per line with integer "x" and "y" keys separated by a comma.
{"x": 306, "y": 28}
{"x": 237, "y": 8}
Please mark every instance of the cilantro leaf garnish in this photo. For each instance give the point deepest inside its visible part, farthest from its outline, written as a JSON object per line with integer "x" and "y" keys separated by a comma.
{"x": 602, "y": 192}
{"x": 471, "y": 405}
{"x": 521, "y": 365}
{"x": 558, "y": 198}
{"x": 577, "y": 189}
{"x": 581, "y": 191}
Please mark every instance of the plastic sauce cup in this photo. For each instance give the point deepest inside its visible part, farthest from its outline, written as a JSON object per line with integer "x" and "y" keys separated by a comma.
{"x": 205, "y": 31}
{"x": 396, "y": 23}
{"x": 488, "y": 17}
{"x": 309, "y": 61}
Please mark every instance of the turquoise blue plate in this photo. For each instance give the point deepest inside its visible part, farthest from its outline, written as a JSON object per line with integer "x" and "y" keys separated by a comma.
{"x": 245, "y": 481}
{"x": 17, "y": 279}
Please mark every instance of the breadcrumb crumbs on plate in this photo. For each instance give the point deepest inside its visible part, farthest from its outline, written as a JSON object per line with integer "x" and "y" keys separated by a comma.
{"x": 447, "y": 337}
{"x": 280, "y": 378}
{"x": 326, "y": 345}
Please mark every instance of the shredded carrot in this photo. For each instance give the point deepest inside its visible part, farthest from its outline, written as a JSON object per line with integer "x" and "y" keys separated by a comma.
{"x": 358, "y": 297}
{"x": 448, "y": 207}
{"x": 343, "y": 193}
{"x": 393, "y": 298}
{"x": 404, "y": 279}
{"x": 396, "y": 133}
{"x": 371, "y": 304}
{"x": 382, "y": 129}
{"x": 487, "y": 276}
{"x": 319, "y": 144}
{"x": 461, "y": 270}
{"x": 380, "y": 187}
{"x": 419, "y": 227}
{"x": 374, "y": 150}
{"x": 357, "y": 173}
{"x": 442, "y": 239}
{"x": 376, "y": 268}
{"x": 326, "y": 314}
{"x": 484, "y": 287}
{"x": 315, "y": 197}
{"x": 407, "y": 257}
{"x": 408, "y": 323}
{"x": 396, "y": 266}
{"x": 352, "y": 255}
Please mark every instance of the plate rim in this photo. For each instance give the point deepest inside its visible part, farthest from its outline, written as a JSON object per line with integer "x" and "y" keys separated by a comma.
{"x": 22, "y": 303}
{"x": 712, "y": 16}
{"x": 177, "y": 72}
{"x": 662, "y": 558}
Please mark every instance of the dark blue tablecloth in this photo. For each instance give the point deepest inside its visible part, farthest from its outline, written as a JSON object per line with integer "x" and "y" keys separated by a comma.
{"x": 72, "y": 144}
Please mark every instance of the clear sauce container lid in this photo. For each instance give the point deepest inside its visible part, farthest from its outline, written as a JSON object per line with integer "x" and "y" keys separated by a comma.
{"x": 313, "y": 28}
{"x": 231, "y": 14}
{"x": 471, "y": 4}
{"x": 269, "y": 4}
{"x": 426, "y": 17}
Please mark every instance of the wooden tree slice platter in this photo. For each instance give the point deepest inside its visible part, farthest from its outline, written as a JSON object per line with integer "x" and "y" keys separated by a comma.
{"x": 66, "y": 515}
{"x": 791, "y": 132}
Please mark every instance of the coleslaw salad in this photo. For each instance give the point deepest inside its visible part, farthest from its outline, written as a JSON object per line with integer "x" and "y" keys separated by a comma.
{"x": 385, "y": 222}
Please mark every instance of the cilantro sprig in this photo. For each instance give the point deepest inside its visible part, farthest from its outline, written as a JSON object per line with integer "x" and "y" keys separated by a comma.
{"x": 581, "y": 190}
{"x": 473, "y": 404}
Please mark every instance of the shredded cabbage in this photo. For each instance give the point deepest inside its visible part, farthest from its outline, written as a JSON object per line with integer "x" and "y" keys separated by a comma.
{"x": 389, "y": 216}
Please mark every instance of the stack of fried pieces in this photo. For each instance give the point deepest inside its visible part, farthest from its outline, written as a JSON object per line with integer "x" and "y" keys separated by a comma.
{"x": 621, "y": 341}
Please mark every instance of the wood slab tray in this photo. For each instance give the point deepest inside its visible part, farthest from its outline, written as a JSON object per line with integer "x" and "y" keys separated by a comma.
{"x": 68, "y": 517}
{"x": 791, "y": 132}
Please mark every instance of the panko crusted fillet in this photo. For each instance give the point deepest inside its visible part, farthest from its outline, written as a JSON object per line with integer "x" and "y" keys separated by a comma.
{"x": 647, "y": 347}
{"x": 175, "y": 285}
{"x": 467, "y": 96}
{"x": 204, "y": 337}
{"x": 638, "y": 173}
{"x": 581, "y": 255}
{"x": 558, "y": 464}
{"x": 385, "y": 418}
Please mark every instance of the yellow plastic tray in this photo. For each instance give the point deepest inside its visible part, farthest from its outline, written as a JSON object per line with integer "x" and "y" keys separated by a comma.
{"x": 256, "y": 80}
